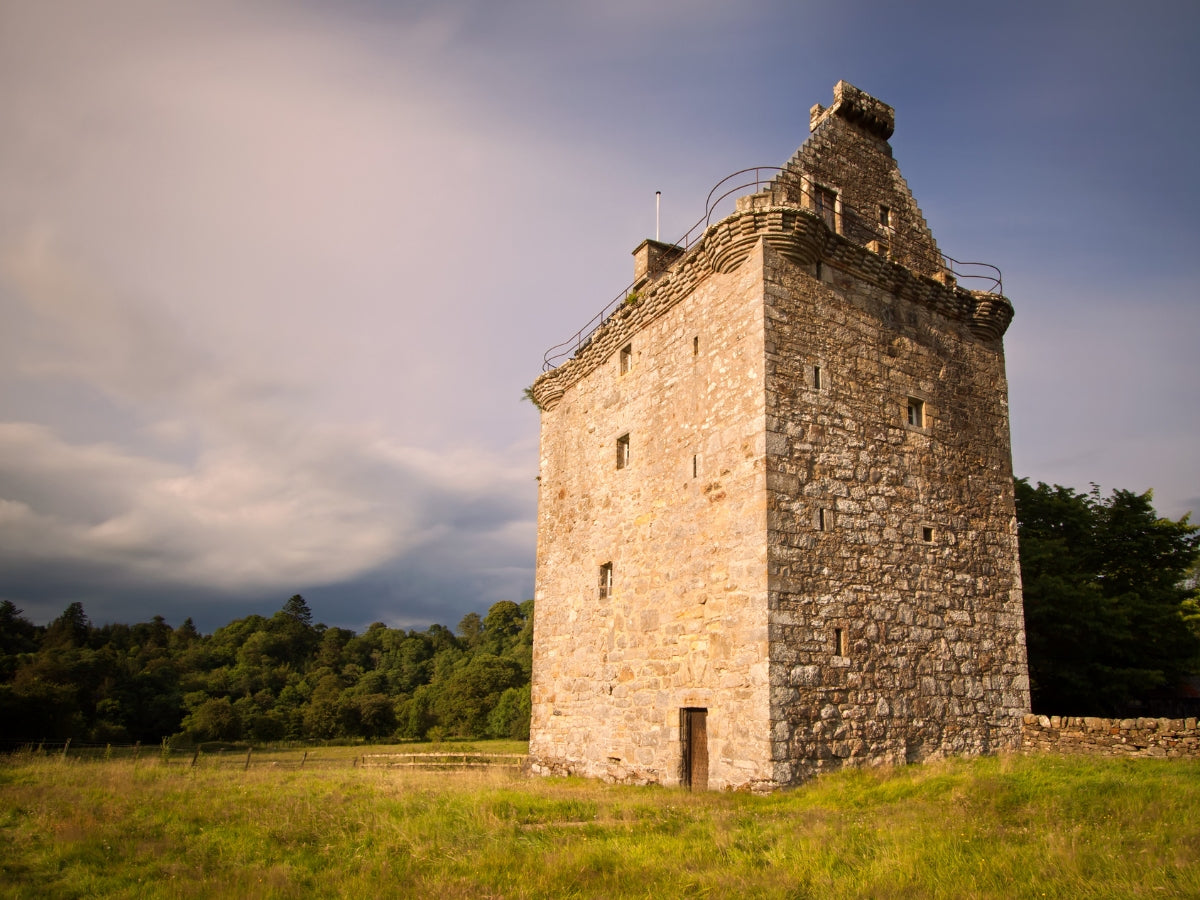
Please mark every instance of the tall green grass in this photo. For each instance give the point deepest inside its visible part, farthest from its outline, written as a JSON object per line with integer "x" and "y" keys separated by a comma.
{"x": 994, "y": 827}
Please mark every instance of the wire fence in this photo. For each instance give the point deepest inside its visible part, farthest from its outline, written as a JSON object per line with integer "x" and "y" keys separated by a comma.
{"x": 246, "y": 757}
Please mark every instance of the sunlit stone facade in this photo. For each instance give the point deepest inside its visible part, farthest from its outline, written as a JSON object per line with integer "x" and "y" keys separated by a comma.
{"x": 776, "y": 532}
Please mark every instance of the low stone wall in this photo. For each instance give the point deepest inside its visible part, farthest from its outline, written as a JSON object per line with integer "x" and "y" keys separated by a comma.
{"x": 1111, "y": 737}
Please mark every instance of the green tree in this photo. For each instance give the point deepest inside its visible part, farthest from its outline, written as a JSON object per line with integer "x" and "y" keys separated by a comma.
{"x": 410, "y": 664}
{"x": 415, "y": 716}
{"x": 333, "y": 642}
{"x": 367, "y": 715}
{"x": 185, "y": 635}
{"x": 17, "y": 634}
{"x": 470, "y": 629}
{"x": 322, "y": 718}
{"x": 33, "y": 709}
{"x": 294, "y": 625}
{"x": 1191, "y": 610}
{"x": 466, "y": 698}
{"x": 510, "y": 717}
{"x": 1104, "y": 598}
{"x": 71, "y": 629}
{"x": 297, "y": 610}
{"x": 502, "y": 627}
{"x": 213, "y": 720}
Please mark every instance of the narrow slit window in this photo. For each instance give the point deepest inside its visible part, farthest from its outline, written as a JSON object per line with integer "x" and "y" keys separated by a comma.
{"x": 885, "y": 216}
{"x": 695, "y": 466}
{"x": 626, "y": 358}
{"x": 696, "y": 346}
{"x": 824, "y": 519}
{"x": 916, "y": 412}
{"x": 606, "y": 581}
{"x": 623, "y": 451}
{"x": 817, "y": 377}
{"x": 839, "y": 642}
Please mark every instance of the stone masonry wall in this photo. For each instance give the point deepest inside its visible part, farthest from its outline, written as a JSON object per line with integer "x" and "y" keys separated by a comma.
{"x": 684, "y": 527}
{"x": 915, "y": 562}
{"x": 1111, "y": 737}
{"x": 894, "y": 540}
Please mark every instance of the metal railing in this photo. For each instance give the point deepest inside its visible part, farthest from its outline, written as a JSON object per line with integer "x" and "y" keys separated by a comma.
{"x": 560, "y": 353}
{"x": 576, "y": 342}
{"x": 855, "y": 227}
{"x": 711, "y": 204}
{"x": 984, "y": 274}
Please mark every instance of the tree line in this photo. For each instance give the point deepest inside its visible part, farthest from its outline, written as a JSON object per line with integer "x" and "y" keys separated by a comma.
{"x": 1112, "y": 617}
{"x": 264, "y": 679}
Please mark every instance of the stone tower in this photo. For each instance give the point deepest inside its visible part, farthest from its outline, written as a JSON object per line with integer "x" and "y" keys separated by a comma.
{"x": 776, "y": 532}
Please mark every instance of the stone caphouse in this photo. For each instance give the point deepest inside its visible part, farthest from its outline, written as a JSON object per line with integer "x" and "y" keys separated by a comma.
{"x": 776, "y": 532}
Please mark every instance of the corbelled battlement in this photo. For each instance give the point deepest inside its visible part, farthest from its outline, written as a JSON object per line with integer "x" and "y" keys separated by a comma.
{"x": 800, "y": 236}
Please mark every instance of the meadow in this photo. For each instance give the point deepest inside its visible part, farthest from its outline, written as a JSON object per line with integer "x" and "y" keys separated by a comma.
{"x": 1008, "y": 826}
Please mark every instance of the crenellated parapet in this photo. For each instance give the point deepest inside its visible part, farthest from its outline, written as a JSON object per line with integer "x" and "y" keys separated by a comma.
{"x": 800, "y": 236}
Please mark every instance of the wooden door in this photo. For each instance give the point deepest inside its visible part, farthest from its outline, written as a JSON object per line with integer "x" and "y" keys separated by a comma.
{"x": 693, "y": 733}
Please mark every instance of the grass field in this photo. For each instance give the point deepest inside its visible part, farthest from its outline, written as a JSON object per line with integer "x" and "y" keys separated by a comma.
{"x": 998, "y": 827}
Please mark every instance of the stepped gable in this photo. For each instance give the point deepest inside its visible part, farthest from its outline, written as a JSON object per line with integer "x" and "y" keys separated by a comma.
{"x": 848, "y": 153}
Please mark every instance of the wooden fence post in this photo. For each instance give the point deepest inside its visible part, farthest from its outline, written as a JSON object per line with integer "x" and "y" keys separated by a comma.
{"x": 249, "y": 750}
{"x": 195, "y": 756}
{"x": 65, "y": 746}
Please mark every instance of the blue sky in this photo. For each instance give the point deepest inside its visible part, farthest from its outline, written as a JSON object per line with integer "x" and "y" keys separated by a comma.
{"x": 273, "y": 275}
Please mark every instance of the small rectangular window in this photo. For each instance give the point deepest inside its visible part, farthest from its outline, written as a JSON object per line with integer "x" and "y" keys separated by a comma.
{"x": 824, "y": 519}
{"x": 885, "y": 216}
{"x": 606, "y": 581}
{"x": 626, "y": 358}
{"x": 927, "y": 534}
{"x": 839, "y": 642}
{"x": 916, "y": 412}
{"x": 817, "y": 377}
{"x": 623, "y": 451}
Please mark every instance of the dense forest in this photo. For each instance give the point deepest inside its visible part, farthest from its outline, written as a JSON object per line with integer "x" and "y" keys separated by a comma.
{"x": 1112, "y": 615}
{"x": 263, "y": 679}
